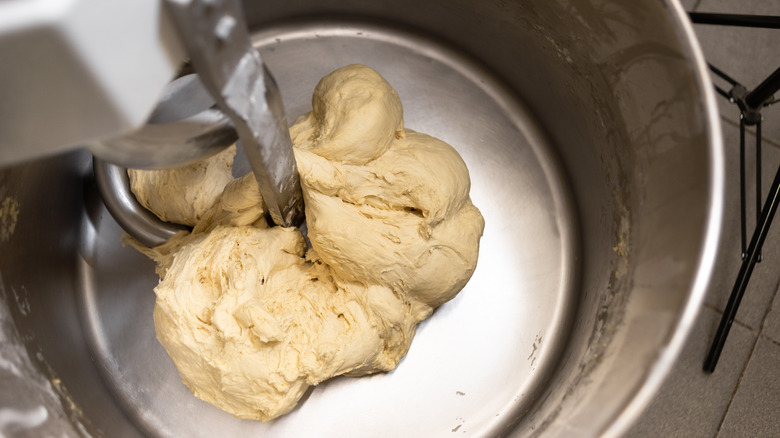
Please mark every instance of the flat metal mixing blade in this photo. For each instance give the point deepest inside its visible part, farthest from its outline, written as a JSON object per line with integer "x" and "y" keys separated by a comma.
{"x": 215, "y": 35}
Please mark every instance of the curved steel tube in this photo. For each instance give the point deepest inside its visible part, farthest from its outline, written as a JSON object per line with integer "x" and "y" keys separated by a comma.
{"x": 137, "y": 221}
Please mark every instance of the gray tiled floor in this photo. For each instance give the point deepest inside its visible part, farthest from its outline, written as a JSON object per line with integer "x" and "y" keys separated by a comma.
{"x": 754, "y": 408}
{"x": 771, "y": 327}
{"x": 742, "y": 397}
{"x": 692, "y": 403}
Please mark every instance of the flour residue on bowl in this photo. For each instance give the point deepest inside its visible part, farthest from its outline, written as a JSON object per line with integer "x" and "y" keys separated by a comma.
{"x": 29, "y": 402}
{"x": 9, "y": 215}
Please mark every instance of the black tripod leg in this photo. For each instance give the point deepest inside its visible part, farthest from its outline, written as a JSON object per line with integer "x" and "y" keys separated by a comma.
{"x": 758, "y": 179}
{"x": 742, "y": 206}
{"x": 755, "y": 21}
{"x": 756, "y": 242}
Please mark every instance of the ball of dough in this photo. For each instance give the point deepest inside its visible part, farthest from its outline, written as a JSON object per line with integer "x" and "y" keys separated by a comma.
{"x": 338, "y": 135}
{"x": 251, "y": 318}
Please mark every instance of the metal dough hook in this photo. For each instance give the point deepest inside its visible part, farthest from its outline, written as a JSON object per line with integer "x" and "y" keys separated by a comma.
{"x": 231, "y": 76}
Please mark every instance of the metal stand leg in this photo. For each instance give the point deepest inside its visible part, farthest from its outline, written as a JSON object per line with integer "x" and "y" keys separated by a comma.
{"x": 759, "y": 235}
{"x": 742, "y": 206}
{"x": 758, "y": 181}
{"x": 754, "y": 21}
{"x": 750, "y": 105}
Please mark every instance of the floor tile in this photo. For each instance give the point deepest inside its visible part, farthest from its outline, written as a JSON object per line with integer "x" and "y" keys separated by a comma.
{"x": 688, "y": 5}
{"x": 692, "y": 403}
{"x": 755, "y": 409}
{"x": 763, "y": 282}
{"x": 771, "y": 328}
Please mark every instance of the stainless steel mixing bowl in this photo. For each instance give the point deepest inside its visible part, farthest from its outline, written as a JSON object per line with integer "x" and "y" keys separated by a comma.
{"x": 591, "y": 134}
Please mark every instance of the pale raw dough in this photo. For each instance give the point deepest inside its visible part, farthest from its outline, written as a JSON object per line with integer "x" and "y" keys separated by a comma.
{"x": 182, "y": 195}
{"x": 252, "y": 319}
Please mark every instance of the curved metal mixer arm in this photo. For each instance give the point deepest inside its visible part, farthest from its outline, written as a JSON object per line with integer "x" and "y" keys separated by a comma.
{"x": 215, "y": 36}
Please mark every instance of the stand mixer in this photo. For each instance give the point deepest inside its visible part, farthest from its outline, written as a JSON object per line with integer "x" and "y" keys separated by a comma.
{"x": 591, "y": 134}
{"x": 230, "y": 92}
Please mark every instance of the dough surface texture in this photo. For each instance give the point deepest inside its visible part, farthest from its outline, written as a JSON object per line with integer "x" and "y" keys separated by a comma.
{"x": 252, "y": 318}
{"x": 182, "y": 195}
